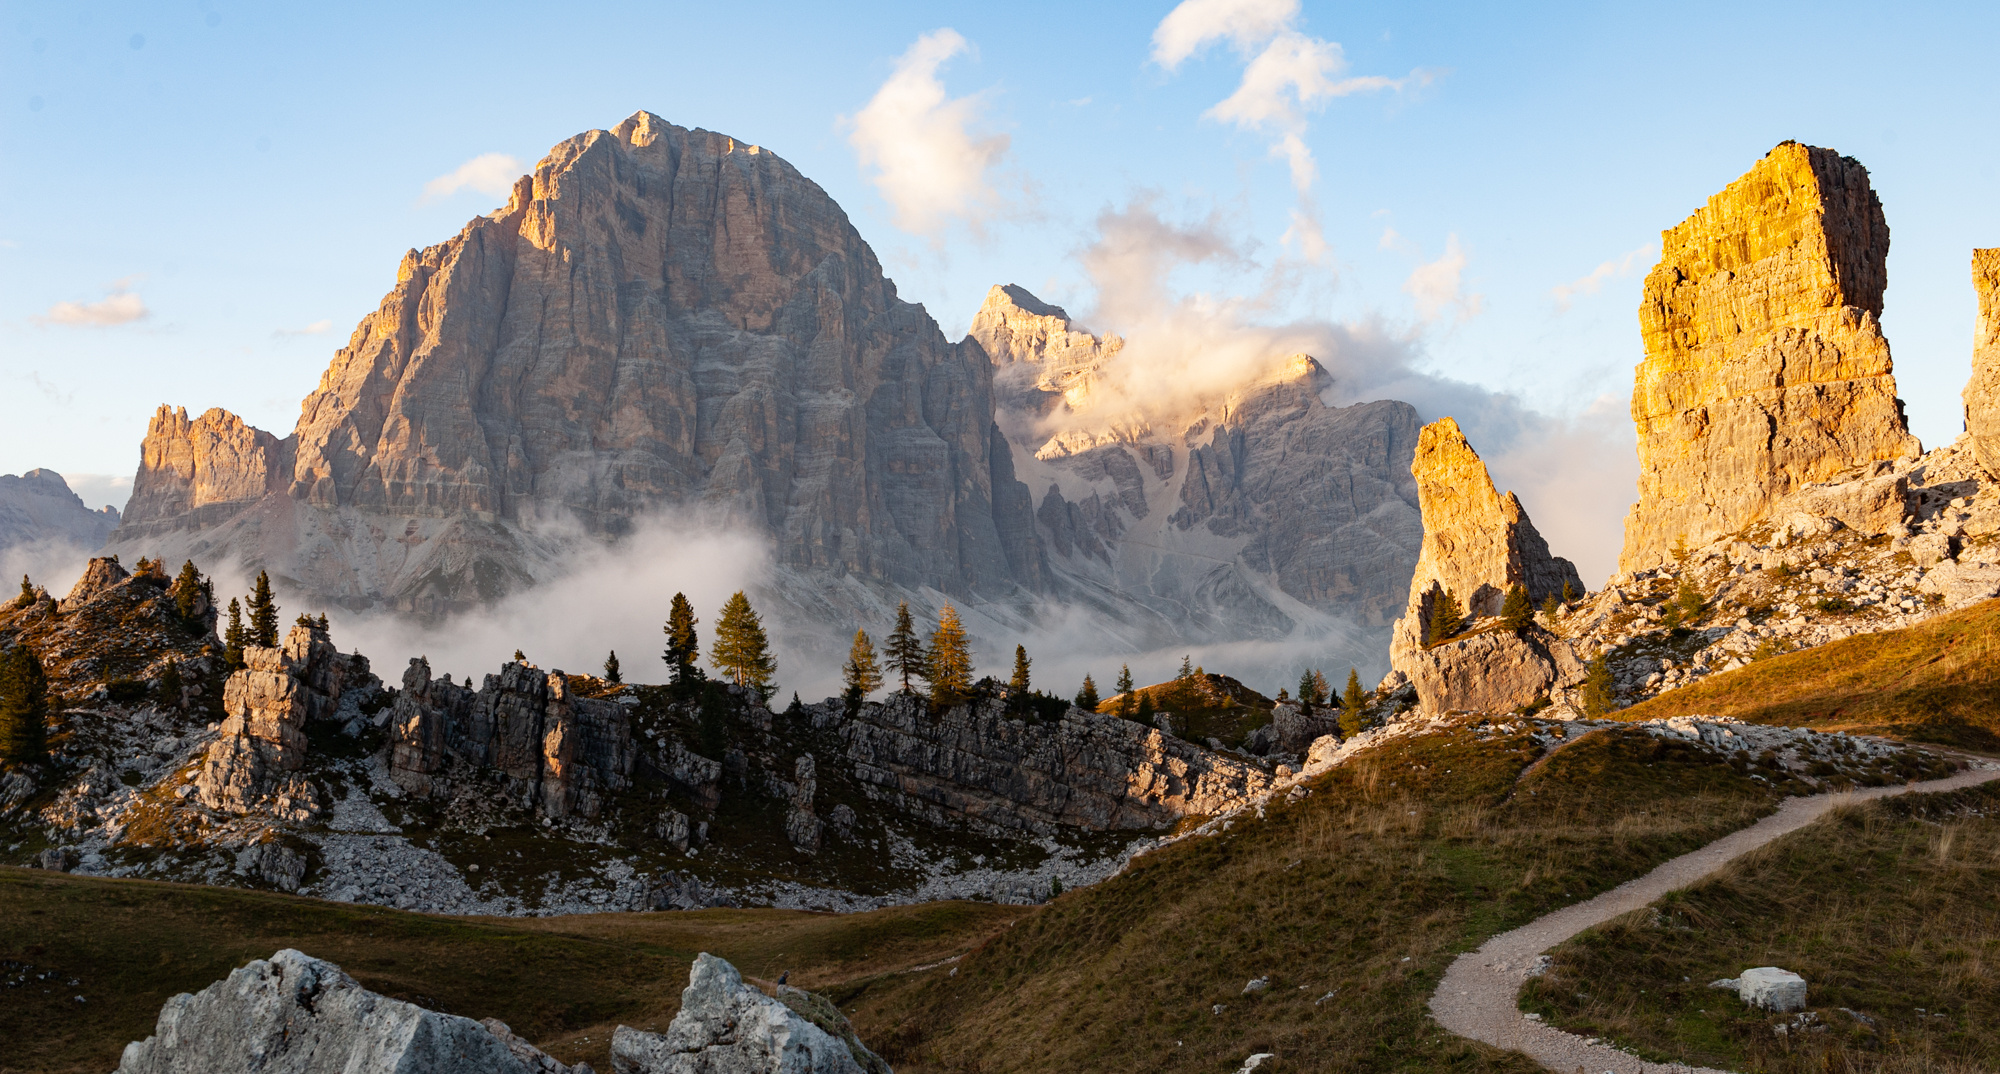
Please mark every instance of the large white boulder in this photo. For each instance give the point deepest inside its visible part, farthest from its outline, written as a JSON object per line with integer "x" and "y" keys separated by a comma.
{"x": 728, "y": 1027}
{"x": 300, "y": 1015}
{"x": 1768, "y": 987}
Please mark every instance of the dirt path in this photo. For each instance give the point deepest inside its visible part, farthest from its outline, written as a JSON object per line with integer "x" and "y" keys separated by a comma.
{"x": 1480, "y": 995}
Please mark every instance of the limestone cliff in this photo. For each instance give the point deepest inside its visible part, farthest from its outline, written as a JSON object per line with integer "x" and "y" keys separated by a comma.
{"x": 1250, "y": 515}
{"x": 1982, "y": 392}
{"x": 659, "y": 318}
{"x": 1765, "y": 365}
{"x": 1477, "y": 543}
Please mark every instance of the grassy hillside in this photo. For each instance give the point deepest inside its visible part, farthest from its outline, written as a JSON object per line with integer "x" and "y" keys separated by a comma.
{"x": 1887, "y": 911}
{"x": 1352, "y": 901}
{"x": 1938, "y": 681}
{"x": 562, "y": 982}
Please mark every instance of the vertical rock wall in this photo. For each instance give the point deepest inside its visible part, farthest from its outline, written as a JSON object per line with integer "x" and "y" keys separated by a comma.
{"x": 1765, "y": 366}
{"x": 1982, "y": 392}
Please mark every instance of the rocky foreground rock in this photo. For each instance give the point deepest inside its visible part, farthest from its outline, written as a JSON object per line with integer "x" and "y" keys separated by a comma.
{"x": 300, "y": 1015}
{"x": 728, "y": 1027}
{"x": 1765, "y": 369}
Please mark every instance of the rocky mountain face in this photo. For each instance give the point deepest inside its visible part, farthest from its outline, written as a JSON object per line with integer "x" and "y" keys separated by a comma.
{"x": 39, "y": 506}
{"x": 1765, "y": 366}
{"x": 1982, "y": 392}
{"x": 1246, "y": 516}
{"x": 659, "y": 318}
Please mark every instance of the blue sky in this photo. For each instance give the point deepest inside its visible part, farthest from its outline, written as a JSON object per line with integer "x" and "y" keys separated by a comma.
{"x": 247, "y": 176}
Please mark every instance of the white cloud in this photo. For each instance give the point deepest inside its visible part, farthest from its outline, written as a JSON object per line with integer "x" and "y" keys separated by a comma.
{"x": 317, "y": 328}
{"x": 1590, "y": 284}
{"x": 488, "y": 173}
{"x": 120, "y": 306}
{"x": 1438, "y": 286}
{"x": 928, "y": 162}
{"x": 1195, "y": 23}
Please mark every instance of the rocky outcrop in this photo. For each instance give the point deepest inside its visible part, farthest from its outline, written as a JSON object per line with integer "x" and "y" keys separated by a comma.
{"x": 1044, "y": 361}
{"x": 659, "y": 319}
{"x": 1982, "y": 392}
{"x": 558, "y": 753}
{"x": 39, "y": 506}
{"x": 728, "y": 1027}
{"x": 256, "y": 761}
{"x": 300, "y": 1015}
{"x": 1765, "y": 366}
{"x": 975, "y": 764}
{"x": 100, "y": 575}
{"x": 802, "y": 827}
{"x": 1477, "y": 543}
{"x": 1493, "y": 670}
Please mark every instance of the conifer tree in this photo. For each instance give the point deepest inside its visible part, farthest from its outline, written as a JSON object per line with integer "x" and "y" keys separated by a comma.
{"x": 1517, "y": 611}
{"x": 612, "y": 674}
{"x": 1447, "y": 616}
{"x": 1598, "y": 698}
{"x": 27, "y": 593}
{"x": 187, "y": 590}
{"x": 1551, "y": 607}
{"x": 861, "y": 672}
{"x": 263, "y": 614}
{"x": 1353, "y": 702}
{"x": 683, "y": 646}
{"x": 1086, "y": 698}
{"x": 24, "y": 706}
{"x": 1018, "y": 682}
{"x": 170, "y": 685}
{"x": 235, "y": 637}
{"x": 741, "y": 651}
{"x": 1146, "y": 710}
{"x": 1569, "y": 592}
{"x": 905, "y": 651}
{"x": 1309, "y": 692}
{"x": 520, "y": 657}
{"x": 1187, "y": 670}
{"x": 950, "y": 661}
{"x": 1322, "y": 690}
{"x": 1125, "y": 700}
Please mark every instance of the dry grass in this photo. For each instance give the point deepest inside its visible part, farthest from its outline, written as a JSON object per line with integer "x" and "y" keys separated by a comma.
{"x": 563, "y": 983}
{"x": 1938, "y": 681}
{"x": 1886, "y": 909}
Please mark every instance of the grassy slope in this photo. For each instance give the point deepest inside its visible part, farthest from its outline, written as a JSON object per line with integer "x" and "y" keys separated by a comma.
{"x": 1368, "y": 887}
{"x": 1886, "y": 909}
{"x": 562, "y": 982}
{"x": 1936, "y": 682}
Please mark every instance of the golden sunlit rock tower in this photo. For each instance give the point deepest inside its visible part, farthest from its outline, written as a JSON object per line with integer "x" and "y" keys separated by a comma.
{"x": 1765, "y": 365}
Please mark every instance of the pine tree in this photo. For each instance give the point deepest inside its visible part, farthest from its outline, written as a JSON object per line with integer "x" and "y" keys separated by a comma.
{"x": 1447, "y": 616}
{"x": 520, "y": 657}
{"x": 1322, "y": 690}
{"x": 1086, "y": 698}
{"x": 1186, "y": 672}
{"x": 683, "y": 645}
{"x": 741, "y": 651}
{"x": 321, "y": 624}
{"x": 950, "y": 661}
{"x": 905, "y": 650}
{"x": 263, "y": 614}
{"x": 612, "y": 674}
{"x": 1597, "y": 696}
{"x": 1352, "y": 704}
{"x": 861, "y": 672}
{"x": 1146, "y": 710}
{"x": 187, "y": 592}
{"x": 234, "y": 638}
{"x": 1018, "y": 682}
{"x": 1517, "y": 611}
{"x": 170, "y": 685}
{"x": 24, "y": 706}
{"x": 1551, "y": 607}
{"x": 1309, "y": 694}
{"x": 27, "y": 593}
{"x": 1569, "y": 592}
{"x": 1125, "y": 700}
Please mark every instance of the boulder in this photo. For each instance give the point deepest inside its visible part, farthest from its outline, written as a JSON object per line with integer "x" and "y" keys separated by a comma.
{"x": 728, "y": 1027}
{"x": 1767, "y": 987}
{"x": 1296, "y": 729}
{"x": 1492, "y": 670}
{"x": 1868, "y": 504}
{"x": 1963, "y": 582}
{"x": 1765, "y": 367}
{"x": 1982, "y": 392}
{"x": 299, "y": 1015}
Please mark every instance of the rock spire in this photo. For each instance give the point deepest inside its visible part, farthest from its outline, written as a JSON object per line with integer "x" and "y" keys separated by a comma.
{"x": 1982, "y": 392}
{"x": 1477, "y": 543}
{"x": 1765, "y": 365}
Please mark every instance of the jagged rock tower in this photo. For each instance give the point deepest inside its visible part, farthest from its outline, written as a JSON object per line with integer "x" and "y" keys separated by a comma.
{"x": 1765, "y": 366}
{"x": 1477, "y": 543}
{"x": 1982, "y": 392}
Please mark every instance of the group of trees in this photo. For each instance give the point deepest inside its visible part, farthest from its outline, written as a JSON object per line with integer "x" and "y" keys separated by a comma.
{"x": 944, "y": 663}
{"x": 1517, "y": 612}
{"x": 741, "y": 650}
{"x": 262, "y": 629}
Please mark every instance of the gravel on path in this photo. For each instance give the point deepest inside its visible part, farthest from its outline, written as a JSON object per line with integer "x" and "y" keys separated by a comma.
{"x": 1479, "y": 997}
